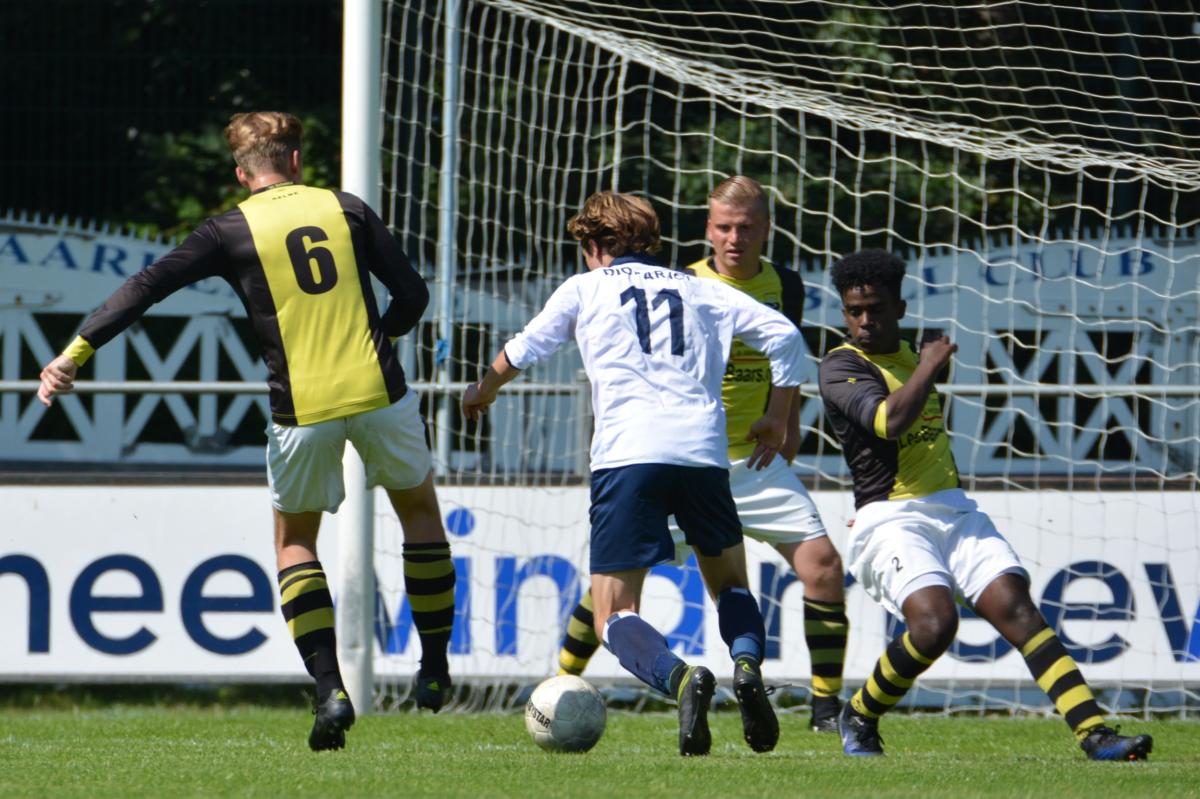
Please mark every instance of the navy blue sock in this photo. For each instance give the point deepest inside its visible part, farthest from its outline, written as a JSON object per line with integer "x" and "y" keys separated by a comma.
{"x": 741, "y": 623}
{"x": 641, "y": 649}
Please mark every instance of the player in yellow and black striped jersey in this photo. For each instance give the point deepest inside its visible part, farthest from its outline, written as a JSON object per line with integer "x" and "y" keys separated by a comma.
{"x": 772, "y": 504}
{"x": 918, "y": 542}
{"x": 915, "y": 464}
{"x": 747, "y": 383}
{"x": 300, "y": 258}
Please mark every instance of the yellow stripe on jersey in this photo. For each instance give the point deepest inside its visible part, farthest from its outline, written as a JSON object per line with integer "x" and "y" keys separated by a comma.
{"x": 881, "y": 420}
{"x": 747, "y": 383}
{"x": 304, "y": 245}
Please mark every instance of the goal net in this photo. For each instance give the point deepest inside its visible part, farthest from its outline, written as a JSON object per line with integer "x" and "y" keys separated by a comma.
{"x": 1034, "y": 163}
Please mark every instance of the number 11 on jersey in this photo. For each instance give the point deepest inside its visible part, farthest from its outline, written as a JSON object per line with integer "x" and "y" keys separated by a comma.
{"x": 641, "y": 316}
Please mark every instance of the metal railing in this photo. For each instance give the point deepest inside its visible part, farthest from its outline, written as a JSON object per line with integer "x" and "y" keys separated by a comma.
{"x": 192, "y": 387}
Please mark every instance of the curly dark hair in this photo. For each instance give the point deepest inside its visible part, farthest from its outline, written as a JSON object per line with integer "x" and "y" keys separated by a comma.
{"x": 869, "y": 268}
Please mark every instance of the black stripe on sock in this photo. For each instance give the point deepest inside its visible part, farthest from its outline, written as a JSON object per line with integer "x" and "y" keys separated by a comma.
{"x": 433, "y": 619}
{"x": 813, "y": 613}
{"x": 825, "y": 642}
{"x": 426, "y": 553}
{"x": 884, "y": 684}
{"x": 874, "y": 705}
{"x": 313, "y": 600}
{"x": 904, "y": 663}
{"x": 1081, "y": 713}
{"x": 579, "y": 649}
{"x": 290, "y": 581}
{"x": 1072, "y": 679}
{"x": 1045, "y": 656}
{"x": 429, "y": 586}
{"x": 827, "y": 669}
{"x": 314, "y": 639}
{"x": 312, "y": 564}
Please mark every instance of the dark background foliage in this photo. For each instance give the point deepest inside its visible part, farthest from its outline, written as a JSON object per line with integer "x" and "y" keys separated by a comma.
{"x": 113, "y": 109}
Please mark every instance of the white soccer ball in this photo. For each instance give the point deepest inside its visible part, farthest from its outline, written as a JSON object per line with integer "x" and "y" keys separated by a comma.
{"x": 565, "y": 714}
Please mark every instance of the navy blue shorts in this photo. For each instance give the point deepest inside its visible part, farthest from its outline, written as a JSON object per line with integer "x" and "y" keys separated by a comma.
{"x": 630, "y": 506}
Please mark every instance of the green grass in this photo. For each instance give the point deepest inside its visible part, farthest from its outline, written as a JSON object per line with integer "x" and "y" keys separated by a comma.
{"x": 250, "y": 751}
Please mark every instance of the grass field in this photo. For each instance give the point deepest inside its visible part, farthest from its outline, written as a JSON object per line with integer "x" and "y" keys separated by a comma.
{"x": 249, "y": 751}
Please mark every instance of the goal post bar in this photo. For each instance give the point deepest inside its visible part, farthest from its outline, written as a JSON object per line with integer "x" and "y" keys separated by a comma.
{"x": 362, "y": 44}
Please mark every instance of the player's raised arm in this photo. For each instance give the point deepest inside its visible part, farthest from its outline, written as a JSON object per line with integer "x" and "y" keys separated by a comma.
{"x": 903, "y": 406}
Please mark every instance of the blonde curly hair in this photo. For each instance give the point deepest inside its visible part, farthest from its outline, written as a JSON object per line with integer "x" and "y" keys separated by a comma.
{"x": 620, "y": 224}
{"x": 263, "y": 141}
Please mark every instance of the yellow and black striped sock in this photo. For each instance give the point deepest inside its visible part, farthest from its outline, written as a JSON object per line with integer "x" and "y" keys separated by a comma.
{"x": 429, "y": 581}
{"x": 308, "y": 610}
{"x": 895, "y": 672}
{"x": 580, "y": 642}
{"x": 1057, "y": 675}
{"x": 825, "y": 631}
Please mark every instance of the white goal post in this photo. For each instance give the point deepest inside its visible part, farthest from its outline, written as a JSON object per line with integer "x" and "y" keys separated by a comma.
{"x": 1034, "y": 163}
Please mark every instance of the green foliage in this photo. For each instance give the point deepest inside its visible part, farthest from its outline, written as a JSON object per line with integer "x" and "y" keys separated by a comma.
{"x": 193, "y": 175}
{"x": 244, "y": 751}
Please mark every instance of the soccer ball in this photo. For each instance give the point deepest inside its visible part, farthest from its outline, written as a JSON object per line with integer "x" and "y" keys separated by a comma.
{"x": 565, "y": 714}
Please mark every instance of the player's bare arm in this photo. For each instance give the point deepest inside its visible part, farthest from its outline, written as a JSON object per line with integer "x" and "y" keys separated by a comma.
{"x": 904, "y": 405}
{"x": 770, "y": 429}
{"x": 478, "y": 397}
{"x": 791, "y": 439}
{"x": 57, "y": 378}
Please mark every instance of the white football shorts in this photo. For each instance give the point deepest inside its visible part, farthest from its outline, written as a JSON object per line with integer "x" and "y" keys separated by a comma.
{"x": 772, "y": 504}
{"x": 897, "y": 547}
{"x": 304, "y": 463}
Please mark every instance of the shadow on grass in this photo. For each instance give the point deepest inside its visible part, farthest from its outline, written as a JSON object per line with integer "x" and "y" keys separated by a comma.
{"x": 70, "y": 696}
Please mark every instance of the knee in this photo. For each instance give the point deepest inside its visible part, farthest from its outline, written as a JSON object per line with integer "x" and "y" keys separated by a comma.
{"x": 1025, "y": 616}
{"x": 933, "y": 631}
{"x": 831, "y": 574}
{"x": 420, "y": 520}
{"x": 1021, "y": 621}
{"x": 822, "y": 572}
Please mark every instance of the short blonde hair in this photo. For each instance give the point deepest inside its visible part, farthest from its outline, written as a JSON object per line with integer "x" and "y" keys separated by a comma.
{"x": 620, "y": 223}
{"x": 263, "y": 141}
{"x": 741, "y": 191}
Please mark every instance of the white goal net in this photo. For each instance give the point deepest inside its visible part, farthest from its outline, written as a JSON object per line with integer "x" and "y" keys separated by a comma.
{"x": 1033, "y": 162}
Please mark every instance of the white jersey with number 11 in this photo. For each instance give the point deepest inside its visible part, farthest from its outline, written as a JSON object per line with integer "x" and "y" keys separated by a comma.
{"x": 654, "y": 343}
